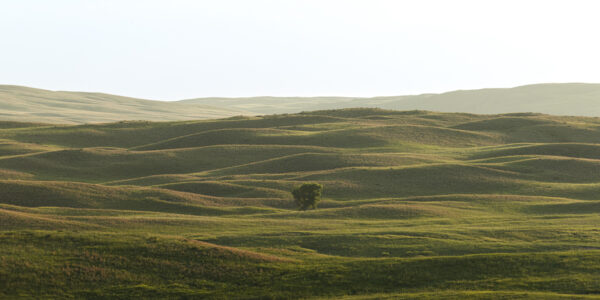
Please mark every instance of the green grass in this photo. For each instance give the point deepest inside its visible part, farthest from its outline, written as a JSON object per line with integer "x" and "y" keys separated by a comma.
{"x": 417, "y": 205}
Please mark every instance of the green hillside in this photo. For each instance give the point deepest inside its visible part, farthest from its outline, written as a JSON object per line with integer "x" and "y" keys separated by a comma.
{"x": 416, "y": 205}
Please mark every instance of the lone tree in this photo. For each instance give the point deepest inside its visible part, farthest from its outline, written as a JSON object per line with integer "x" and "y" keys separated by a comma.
{"x": 307, "y": 195}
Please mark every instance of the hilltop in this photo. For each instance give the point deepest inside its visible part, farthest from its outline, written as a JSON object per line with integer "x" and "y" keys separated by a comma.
{"x": 43, "y": 106}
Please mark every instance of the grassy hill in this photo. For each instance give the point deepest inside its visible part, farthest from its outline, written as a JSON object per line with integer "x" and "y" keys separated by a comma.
{"x": 576, "y": 99}
{"x": 58, "y": 107}
{"x": 416, "y": 205}
{"x": 19, "y": 103}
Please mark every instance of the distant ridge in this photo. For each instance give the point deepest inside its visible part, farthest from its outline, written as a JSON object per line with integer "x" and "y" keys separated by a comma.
{"x": 577, "y": 99}
{"x": 26, "y": 104}
{"x": 19, "y": 103}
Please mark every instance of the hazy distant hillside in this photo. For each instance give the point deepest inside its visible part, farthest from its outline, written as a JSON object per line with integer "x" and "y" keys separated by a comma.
{"x": 280, "y": 105}
{"x": 35, "y": 105}
{"x": 559, "y": 99}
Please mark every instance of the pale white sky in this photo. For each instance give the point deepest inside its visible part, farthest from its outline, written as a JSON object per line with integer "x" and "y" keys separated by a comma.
{"x": 176, "y": 49}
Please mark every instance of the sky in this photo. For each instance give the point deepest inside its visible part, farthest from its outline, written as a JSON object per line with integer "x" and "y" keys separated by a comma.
{"x": 178, "y": 49}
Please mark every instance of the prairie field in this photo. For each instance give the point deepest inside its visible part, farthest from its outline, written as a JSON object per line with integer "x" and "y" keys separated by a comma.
{"x": 416, "y": 205}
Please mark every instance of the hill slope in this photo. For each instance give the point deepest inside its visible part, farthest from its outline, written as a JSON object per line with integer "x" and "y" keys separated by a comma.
{"x": 416, "y": 205}
{"x": 35, "y": 105}
{"x": 577, "y": 99}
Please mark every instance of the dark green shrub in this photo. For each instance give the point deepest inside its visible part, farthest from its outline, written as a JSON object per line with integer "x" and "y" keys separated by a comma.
{"x": 307, "y": 195}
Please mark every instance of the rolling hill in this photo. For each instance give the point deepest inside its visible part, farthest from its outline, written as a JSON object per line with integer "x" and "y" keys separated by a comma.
{"x": 416, "y": 205}
{"x": 58, "y": 107}
{"x": 576, "y": 99}
{"x": 19, "y": 103}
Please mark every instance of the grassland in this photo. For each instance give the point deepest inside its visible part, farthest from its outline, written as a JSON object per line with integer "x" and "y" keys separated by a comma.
{"x": 19, "y": 103}
{"x": 417, "y": 205}
{"x": 577, "y": 99}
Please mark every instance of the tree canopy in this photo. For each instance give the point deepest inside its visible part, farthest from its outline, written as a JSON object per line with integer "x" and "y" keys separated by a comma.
{"x": 307, "y": 195}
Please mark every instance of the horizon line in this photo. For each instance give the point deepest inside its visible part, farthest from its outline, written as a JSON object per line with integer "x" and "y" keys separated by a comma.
{"x": 307, "y": 97}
